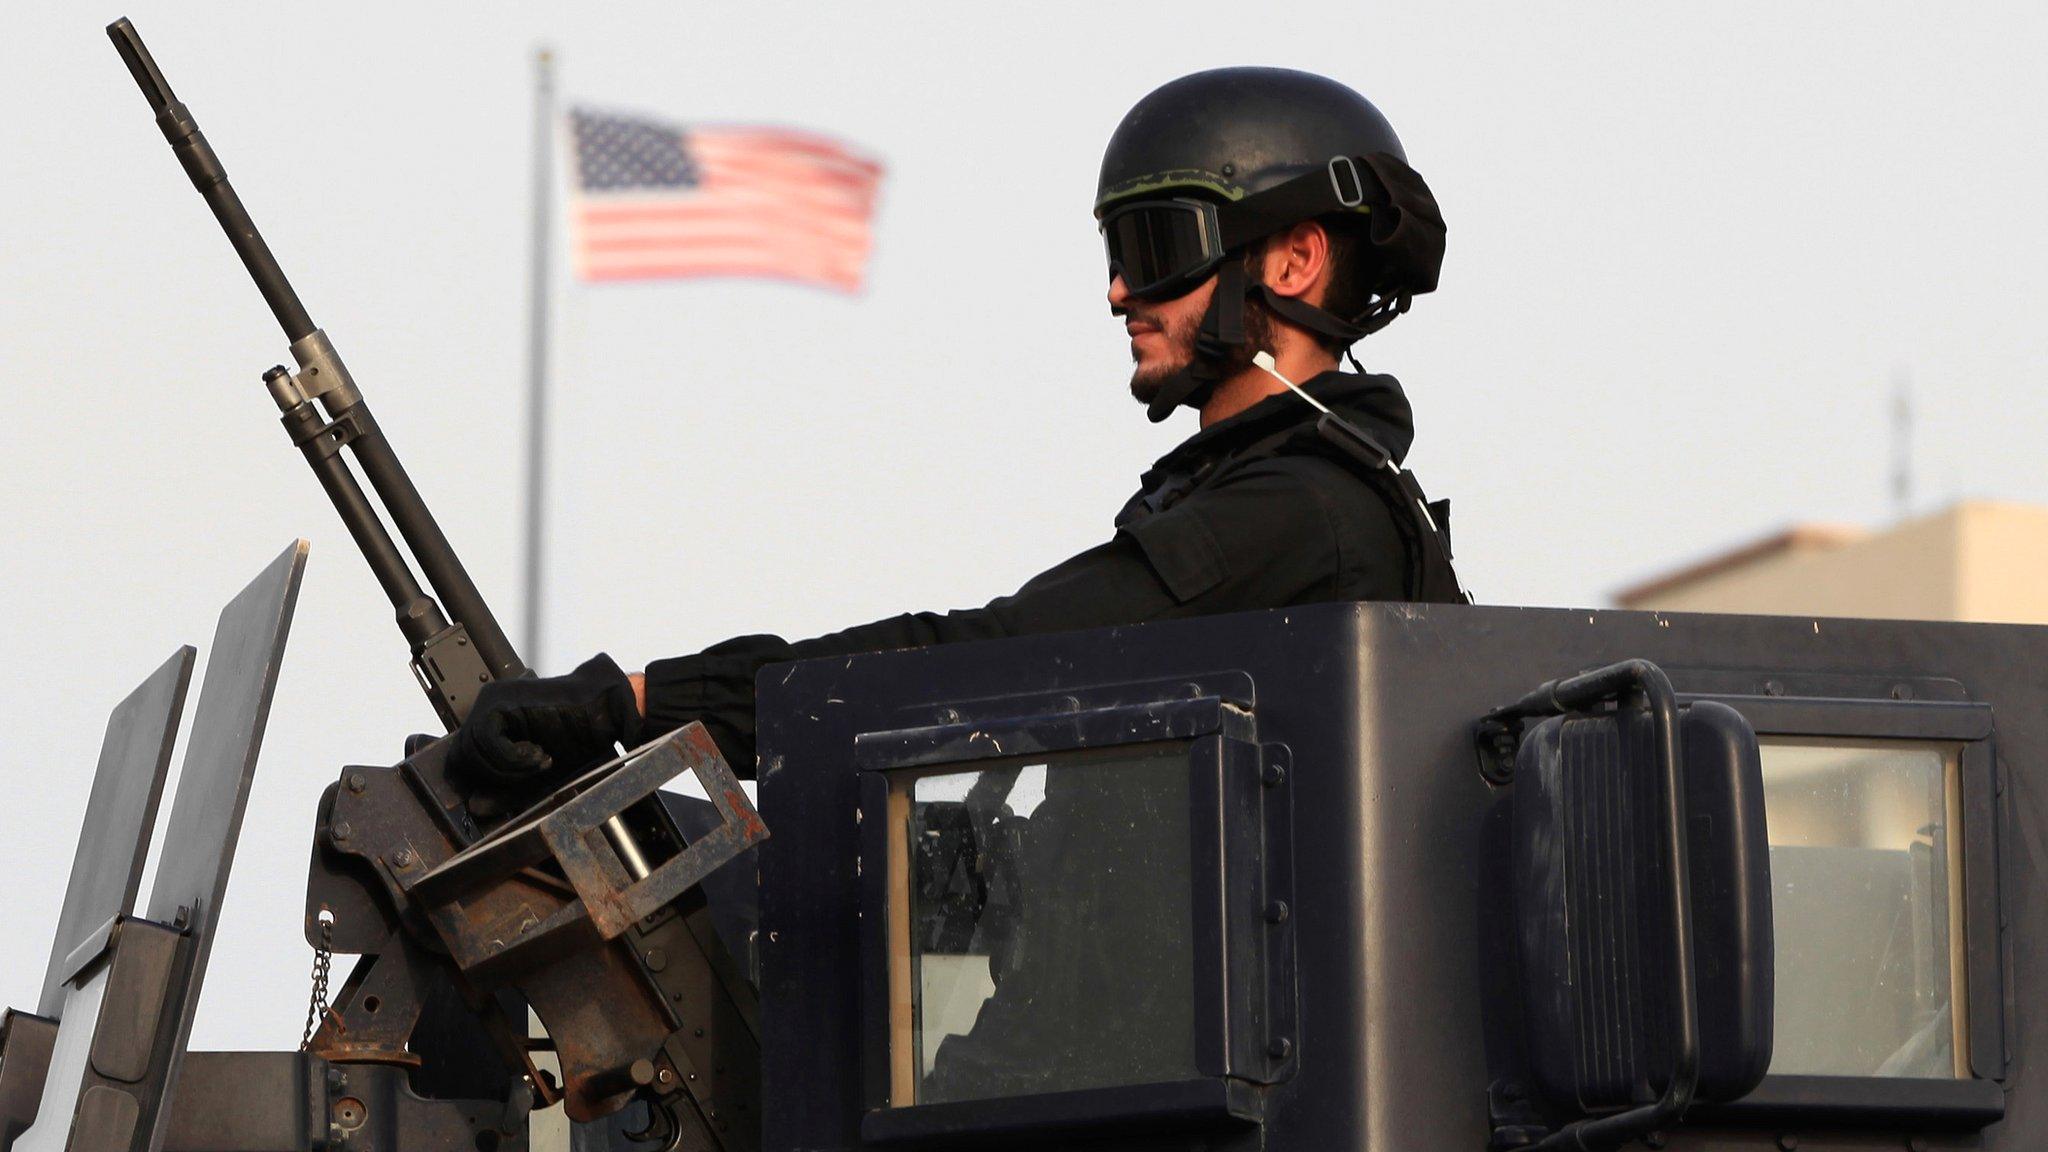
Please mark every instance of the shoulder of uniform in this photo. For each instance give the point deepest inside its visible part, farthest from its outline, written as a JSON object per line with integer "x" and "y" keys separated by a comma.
{"x": 1281, "y": 469}
{"x": 1303, "y": 459}
{"x": 1317, "y": 479}
{"x": 1286, "y": 495}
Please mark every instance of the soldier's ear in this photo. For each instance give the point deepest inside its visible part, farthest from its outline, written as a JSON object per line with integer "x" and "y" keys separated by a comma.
{"x": 1297, "y": 259}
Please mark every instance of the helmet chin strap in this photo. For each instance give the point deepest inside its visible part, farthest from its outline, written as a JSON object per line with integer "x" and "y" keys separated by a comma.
{"x": 1222, "y": 331}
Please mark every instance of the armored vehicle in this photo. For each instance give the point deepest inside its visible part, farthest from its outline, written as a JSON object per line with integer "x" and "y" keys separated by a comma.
{"x": 1342, "y": 876}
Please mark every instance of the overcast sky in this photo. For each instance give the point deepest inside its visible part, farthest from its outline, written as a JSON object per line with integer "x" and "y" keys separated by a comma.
{"x": 1690, "y": 249}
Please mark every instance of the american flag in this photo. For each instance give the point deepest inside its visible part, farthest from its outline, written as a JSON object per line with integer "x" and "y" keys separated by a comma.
{"x": 652, "y": 200}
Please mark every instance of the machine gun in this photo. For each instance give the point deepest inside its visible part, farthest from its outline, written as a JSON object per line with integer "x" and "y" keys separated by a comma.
{"x": 466, "y": 910}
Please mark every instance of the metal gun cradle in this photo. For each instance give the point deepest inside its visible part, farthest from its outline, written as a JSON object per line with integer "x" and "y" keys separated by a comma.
{"x": 593, "y": 931}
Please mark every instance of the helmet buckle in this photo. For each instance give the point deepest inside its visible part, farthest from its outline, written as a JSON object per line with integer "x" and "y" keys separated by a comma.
{"x": 1356, "y": 195}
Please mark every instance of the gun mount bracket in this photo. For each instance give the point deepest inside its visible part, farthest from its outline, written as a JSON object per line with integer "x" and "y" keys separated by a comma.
{"x": 321, "y": 375}
{"x": 451, "y": 672}
{"x": 482, "y": 898}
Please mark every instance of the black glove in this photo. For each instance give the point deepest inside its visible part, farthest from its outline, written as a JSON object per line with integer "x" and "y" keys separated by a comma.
{"x": 522, "y": 729}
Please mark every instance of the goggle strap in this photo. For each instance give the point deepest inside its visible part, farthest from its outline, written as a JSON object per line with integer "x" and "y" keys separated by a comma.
{"x": 1337, "y": 187}
{"x": 1407, "y": 228}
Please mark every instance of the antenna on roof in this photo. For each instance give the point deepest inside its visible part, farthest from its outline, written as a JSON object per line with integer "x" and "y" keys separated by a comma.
{"x": 1902, "y": 443}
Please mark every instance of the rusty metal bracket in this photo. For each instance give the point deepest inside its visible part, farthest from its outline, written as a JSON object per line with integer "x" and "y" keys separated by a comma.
{"x": 582, "y": 905}
{"x": 373, "y": 1017}
{"x": 465, "y": 895}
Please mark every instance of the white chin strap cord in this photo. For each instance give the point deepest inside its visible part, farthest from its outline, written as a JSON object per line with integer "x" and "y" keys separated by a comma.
{"x": 1264, "y": 361}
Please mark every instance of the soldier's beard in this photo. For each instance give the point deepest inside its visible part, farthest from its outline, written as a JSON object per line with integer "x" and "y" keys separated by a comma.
{"x": 1148, "y": 379}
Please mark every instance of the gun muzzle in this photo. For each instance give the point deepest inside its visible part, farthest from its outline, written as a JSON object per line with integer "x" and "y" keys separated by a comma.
{"x": 200, "y": 163}
{"x": 154, "y": 87}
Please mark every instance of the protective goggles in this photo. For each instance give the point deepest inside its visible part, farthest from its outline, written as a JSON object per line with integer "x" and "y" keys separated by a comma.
{"x": 1165, "y": 248}
{"x": 1162, "y": 248}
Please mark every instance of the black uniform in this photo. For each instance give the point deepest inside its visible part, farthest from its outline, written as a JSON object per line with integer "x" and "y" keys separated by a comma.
{"x": 1245, "y": 514}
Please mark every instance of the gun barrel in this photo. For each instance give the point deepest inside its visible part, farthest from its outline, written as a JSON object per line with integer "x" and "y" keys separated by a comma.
{"x": 328, "y": 380}
{"x": 204, "y": 167}
{"x": 419, "y": 617}
{"x": 431, "y": 548}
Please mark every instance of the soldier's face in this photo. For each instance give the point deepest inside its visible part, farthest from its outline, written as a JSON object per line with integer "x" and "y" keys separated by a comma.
{"x": 1162, "y": 333}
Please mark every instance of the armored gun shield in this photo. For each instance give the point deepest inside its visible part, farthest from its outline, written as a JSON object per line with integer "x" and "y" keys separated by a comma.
{"x": 106, "y": 871}
{"x": 122, "y": 989}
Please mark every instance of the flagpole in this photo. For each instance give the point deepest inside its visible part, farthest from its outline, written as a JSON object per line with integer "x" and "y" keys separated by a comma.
{"x": 537, "y": 353}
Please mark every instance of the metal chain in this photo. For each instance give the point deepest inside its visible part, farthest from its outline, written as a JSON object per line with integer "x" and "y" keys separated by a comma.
{"x": 323, "y": 959}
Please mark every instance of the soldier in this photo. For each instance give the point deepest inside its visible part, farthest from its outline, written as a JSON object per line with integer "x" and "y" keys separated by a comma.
{"x": 1244, "y": 210}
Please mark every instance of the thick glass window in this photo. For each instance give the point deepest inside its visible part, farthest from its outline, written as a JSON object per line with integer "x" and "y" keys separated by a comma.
{"x": 1865, "y": 875}
{"x": 1040, "y": 913}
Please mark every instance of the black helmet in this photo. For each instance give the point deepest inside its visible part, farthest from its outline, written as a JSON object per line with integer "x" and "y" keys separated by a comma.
{"x": 1211, "y": 162}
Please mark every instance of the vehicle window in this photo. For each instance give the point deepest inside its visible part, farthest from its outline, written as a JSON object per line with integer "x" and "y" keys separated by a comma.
{"x": 1865, "y": 872}
{"x": 1041, "y": 912}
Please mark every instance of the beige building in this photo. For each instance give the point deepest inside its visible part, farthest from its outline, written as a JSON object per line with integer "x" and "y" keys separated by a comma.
{"x": 1979, "y": 560}
{"x": 1863, "y": 869}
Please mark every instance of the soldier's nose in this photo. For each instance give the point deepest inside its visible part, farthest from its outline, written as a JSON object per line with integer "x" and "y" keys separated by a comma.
{"x": 1118, "y": 293}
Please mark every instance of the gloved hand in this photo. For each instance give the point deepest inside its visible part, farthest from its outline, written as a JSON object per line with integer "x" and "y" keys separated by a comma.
{"x": 522, "y": 729}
